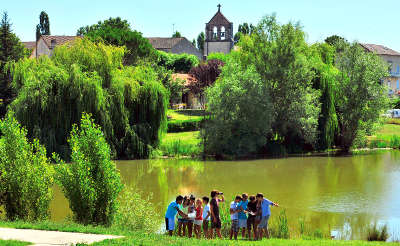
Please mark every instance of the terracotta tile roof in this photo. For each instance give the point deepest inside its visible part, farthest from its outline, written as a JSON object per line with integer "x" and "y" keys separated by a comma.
{"x": 29, "y": 45}
{"x": 164, "y": 43}
{"x": 380, "y": 49}
{"x": 219, "y": 19}
{"x": 59, "y": 40}
{"x": 183, "y": 76}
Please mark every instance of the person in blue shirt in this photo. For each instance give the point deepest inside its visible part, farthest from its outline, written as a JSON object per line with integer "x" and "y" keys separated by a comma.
{"x": 242, "y": 214}
{"x": 172, "y": 210}
{"x": 265, "y": 214}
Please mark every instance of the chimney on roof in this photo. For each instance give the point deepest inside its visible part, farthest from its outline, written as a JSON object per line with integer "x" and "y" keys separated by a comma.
{"x": 53, "y": 43}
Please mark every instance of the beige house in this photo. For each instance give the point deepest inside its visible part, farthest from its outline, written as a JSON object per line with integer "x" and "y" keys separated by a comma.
{"x": 189, "y": 99}
{"x": 46, "y": 44}
{"x": 392, "y": 57}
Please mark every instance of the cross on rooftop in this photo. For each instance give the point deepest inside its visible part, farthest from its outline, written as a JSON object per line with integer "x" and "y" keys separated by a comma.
{"x": 219, "y": 7}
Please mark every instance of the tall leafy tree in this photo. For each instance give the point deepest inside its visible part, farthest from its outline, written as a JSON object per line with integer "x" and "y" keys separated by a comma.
{"x": 244, "y": 29}
{"x": 204, "y": 76}
{"x": 361, "y": 98}
{"x": 129, "y": 103}
{"x": 118, "y": 32}
{"x": 200, "y": 41}
{"x": 241, "y": 112}
{"x": 279, "y": 53}
{"x": 11, "y": 49}
{"x": 325, "y": 81}
{"x": 43, "y": 28}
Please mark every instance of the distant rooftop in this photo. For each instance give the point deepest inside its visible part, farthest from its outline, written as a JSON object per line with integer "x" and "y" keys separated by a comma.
{"x": 380, "y": 49}
{"x": 29, "y": 45}
{"x": 57, "y": 40}
{"x": 164, "y": 43}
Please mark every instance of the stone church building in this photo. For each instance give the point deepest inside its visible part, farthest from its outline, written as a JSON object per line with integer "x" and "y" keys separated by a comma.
{"x": 219, "y": 35}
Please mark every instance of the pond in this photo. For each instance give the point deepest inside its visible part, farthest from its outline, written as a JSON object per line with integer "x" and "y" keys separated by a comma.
{"x": 337, "y": 194}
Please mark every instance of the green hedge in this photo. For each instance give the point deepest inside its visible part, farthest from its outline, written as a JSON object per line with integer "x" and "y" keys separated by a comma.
{"x": 184, "y": 125}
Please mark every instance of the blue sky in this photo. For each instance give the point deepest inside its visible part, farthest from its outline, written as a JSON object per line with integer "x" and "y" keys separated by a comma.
{"x": 368, "y": 21}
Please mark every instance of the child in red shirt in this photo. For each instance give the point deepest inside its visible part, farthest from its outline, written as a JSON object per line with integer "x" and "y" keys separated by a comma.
{"x": 198, "y": 221}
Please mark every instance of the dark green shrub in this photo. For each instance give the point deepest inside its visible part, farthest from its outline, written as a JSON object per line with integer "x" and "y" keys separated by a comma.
{"x": 91, "y": 182}
{"x": 179, "y": 63}
{"x": 377, "y": 234}
{"x": 184, "y": 125}
{"x": 26, "y": 176}
{"x": 395, "y": 142}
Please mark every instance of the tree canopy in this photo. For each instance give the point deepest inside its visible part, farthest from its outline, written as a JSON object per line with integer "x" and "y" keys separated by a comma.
{"x": 11, "y": 49}
{"x": 43, "y": 28}
{"x": 118, "y": 32}
{"x": 129, "y": 103}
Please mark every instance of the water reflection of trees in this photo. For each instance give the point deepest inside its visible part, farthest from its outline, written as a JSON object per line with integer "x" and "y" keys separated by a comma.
{"x": 329, "y": 192}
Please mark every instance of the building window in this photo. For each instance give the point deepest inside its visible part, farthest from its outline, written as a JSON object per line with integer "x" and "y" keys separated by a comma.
{"x": 215, "y": 32}
{"x": 223, "y": 33}
{"x": 398, "y": 69}
{"x": 390, "y": 66}
{"x": 397, "y": 85}
{"x": 388, "y": 83}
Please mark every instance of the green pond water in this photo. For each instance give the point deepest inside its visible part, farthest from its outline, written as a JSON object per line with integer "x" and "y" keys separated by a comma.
{"x": 337, "y": 194}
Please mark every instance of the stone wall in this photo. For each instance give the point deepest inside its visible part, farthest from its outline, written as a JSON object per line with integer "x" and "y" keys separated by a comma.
{"x": 213, "y": 47}
{"x": 187, "y": 47}
{"x": 42, "y": 49}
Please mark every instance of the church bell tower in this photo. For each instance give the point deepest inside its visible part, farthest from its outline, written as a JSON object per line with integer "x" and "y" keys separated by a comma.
{"x": 219, "y": 34}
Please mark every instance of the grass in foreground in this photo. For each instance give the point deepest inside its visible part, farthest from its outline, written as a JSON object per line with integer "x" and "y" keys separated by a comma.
{"x": 13, "y": 243}
{"x": 181, "y": 144}
{"x": 151, "y": 239}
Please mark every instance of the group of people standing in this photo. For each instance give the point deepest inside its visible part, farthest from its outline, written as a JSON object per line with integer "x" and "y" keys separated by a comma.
{"x": 250, "y": 214}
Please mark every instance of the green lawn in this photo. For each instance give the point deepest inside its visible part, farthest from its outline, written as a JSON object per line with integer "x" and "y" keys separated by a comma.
{"x": 185, "y": 114}
{"x": 181, "y": 144}
{"x": 151, "y": 239}
{"x": 389, "y": 130}
{"x": 13, "y": 243}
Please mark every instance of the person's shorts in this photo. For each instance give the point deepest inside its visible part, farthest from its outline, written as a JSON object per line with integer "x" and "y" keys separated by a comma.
{"x": 264, "y": 222}
{"x": 169, "y": 224}
{"x": 205, "y": 225}
{"x": 181, "y": 220}
{"x": 251, "y": 221}
{"x": 198, "y": 222}
{"x": 242, "y": 223}
{"x": 216, "y": 225}
{"x": 235, "y": 225}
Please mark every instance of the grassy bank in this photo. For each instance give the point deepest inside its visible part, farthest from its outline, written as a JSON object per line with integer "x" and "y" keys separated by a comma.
{"x": 152, "y": 239}
{"x": 181, "y": 144}
{"x": 387, "y": 137}
{"x": 13, "y": 243}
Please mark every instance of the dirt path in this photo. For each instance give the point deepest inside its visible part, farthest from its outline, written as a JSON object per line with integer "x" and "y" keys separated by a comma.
{"x": 43, "y": 238}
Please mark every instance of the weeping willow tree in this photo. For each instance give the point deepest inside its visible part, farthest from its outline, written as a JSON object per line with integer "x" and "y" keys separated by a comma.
{"x": 129, "y": 103}
{"x": 324, "y": 80}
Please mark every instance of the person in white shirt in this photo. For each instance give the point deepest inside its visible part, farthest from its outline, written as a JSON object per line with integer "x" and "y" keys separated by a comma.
{"x": 234, "y": 209}
{"x": 206, "y": 217}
